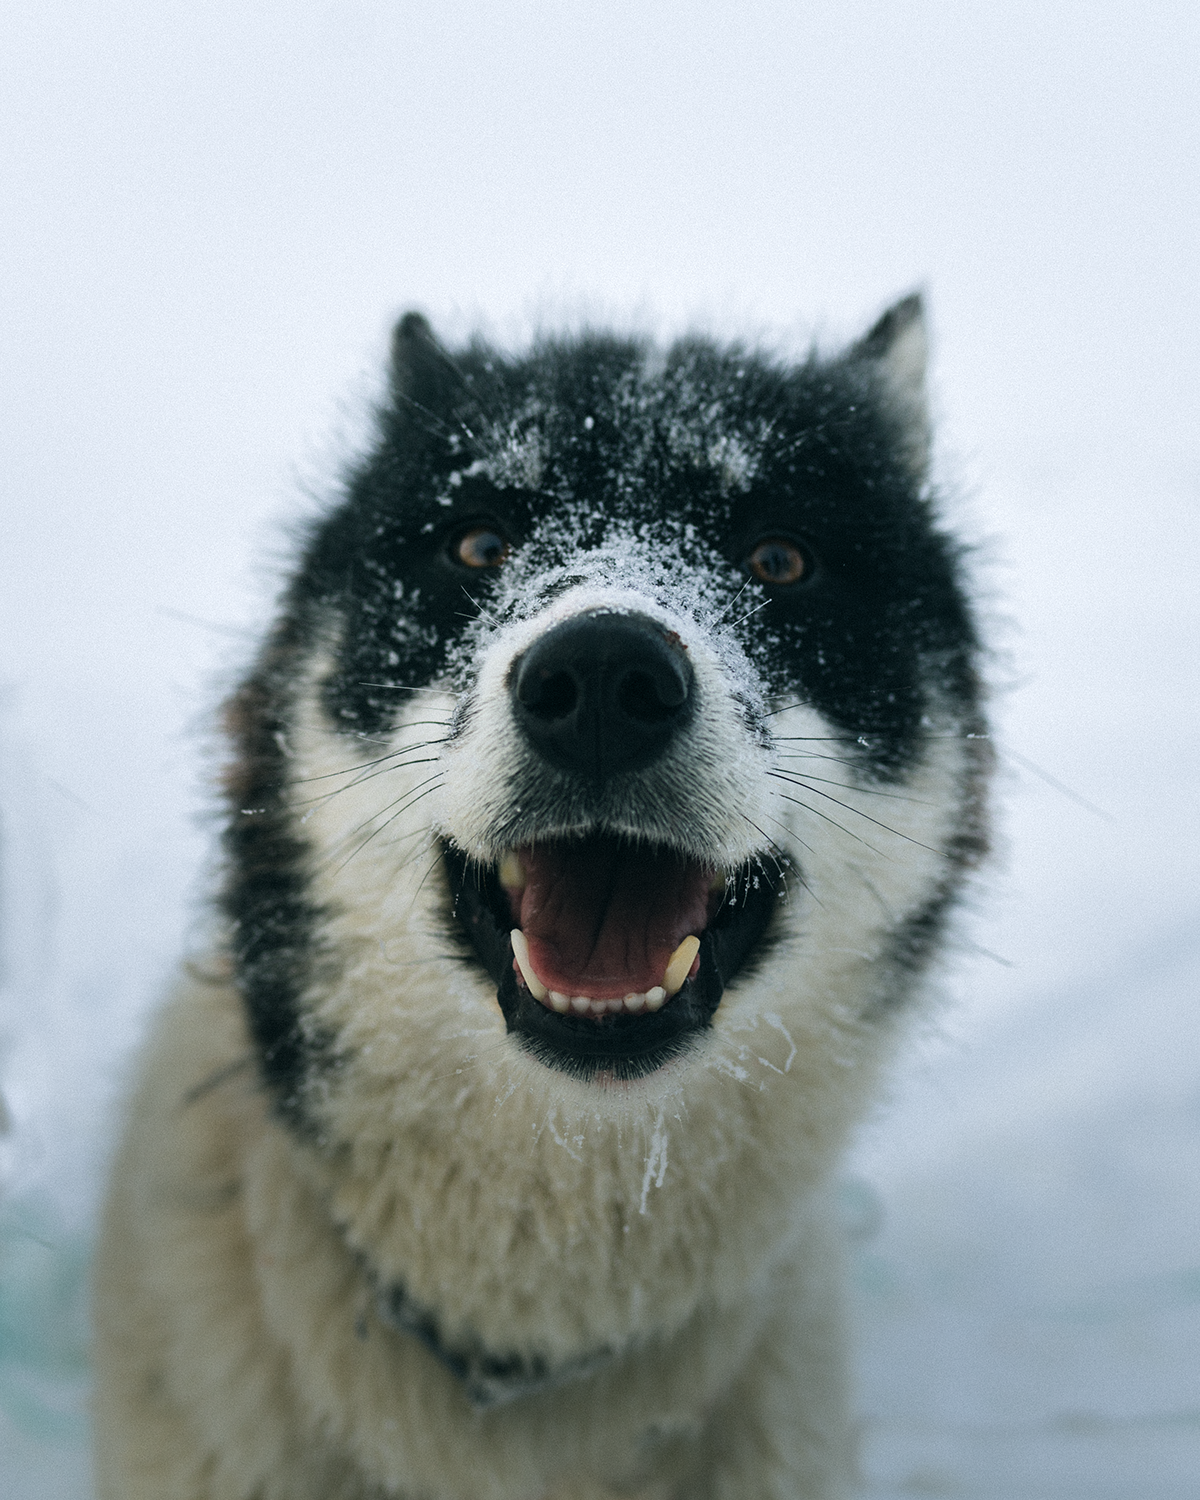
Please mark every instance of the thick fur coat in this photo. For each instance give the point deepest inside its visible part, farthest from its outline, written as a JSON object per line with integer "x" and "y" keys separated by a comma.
{"x": 597, "y": 804}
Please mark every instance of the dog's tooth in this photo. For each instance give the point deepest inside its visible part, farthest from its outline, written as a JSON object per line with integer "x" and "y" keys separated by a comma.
{"x": 656, "y": 998}
{"x": 580, "y": 1004}
{"x": 634, "y": 1003}
{"x": 512, "y": 872}
{"x": 520, "y": 949}
{"x": 681, "y": 962}
{"x": 560, "y": 1003}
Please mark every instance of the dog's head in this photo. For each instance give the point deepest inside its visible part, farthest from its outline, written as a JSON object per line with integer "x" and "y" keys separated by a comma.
{"x": 612, "y": 673}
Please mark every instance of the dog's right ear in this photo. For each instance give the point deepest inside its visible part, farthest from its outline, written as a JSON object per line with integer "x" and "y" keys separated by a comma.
{"x": 424, "y": 379}
{"x": 897, "y": 347}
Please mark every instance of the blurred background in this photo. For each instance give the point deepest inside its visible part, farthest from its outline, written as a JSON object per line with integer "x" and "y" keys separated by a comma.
{"x": 211, "y": 215}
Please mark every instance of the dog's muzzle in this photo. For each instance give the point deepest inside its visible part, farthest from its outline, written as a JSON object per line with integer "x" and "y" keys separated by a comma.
{"x": 610, "y": 950}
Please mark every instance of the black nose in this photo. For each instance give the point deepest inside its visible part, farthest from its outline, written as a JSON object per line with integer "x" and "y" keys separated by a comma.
{"x": 603, "y": 692}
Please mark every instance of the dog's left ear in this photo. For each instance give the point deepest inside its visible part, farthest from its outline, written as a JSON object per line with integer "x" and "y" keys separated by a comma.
{"x": 898, "y": 346}
{"x": 426, "y": 382}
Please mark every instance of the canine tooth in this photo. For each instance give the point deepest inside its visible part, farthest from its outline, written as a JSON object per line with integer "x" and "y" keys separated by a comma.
{"x": 512, "y": 872}
{"x": 521, "y": 953}
{"x": 580, "y": 1004}
{"x": 561, "y": 1003}
{"x": 681, "y": 962}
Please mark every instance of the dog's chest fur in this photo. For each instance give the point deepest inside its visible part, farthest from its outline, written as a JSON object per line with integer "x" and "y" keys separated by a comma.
{"x": 597, "y": 806}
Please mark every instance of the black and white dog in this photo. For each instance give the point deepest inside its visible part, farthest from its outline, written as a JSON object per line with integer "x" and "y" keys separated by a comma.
{"x": 598, "y": 802}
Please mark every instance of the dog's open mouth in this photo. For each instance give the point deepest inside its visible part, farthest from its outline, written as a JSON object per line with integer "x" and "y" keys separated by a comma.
{"x": 609, "y": 955}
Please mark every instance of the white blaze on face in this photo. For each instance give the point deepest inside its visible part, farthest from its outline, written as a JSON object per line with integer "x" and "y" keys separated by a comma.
{"x": 705, "y": 793}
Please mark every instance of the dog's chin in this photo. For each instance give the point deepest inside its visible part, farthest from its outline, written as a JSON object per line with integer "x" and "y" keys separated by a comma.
{"x": 592, "y": 945}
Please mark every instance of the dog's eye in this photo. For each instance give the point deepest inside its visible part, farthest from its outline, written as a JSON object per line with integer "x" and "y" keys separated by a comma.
{"x": 779, "y": 561}
{"x": 481, "y": 547}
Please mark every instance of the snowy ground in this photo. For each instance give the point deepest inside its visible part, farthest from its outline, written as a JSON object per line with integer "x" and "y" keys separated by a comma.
{"x": 211, "y": 216}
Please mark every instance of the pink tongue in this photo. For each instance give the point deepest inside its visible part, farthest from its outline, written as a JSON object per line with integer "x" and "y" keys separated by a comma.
{"x": 603, "y": 917}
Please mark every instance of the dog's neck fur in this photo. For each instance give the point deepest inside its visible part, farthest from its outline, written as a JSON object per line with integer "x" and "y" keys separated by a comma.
{"x": 523, "y": 1237}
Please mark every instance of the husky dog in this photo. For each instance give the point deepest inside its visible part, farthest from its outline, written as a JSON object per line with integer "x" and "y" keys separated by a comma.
{"x": 596, "y": 807}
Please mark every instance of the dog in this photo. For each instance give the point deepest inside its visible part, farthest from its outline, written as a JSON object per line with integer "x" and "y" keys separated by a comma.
{"x": 597, "y": 805}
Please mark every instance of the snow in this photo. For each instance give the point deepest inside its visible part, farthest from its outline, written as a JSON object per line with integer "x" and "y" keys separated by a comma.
{"x": 211, "y": 218}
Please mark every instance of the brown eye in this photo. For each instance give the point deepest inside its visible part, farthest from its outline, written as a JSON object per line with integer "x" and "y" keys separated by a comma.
{"x": 481, "y": 547}
{"x": 778, "y": 561}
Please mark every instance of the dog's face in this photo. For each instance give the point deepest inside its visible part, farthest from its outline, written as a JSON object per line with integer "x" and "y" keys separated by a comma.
{"x": 613, "y": 675}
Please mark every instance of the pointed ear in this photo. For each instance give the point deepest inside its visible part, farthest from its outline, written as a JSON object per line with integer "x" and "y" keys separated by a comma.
{"x": 897, "y": 346}
{"x": 424, "y": 378}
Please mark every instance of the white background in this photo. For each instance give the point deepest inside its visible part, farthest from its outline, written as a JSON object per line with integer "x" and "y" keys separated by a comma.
{"x": 210, "y": 216}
